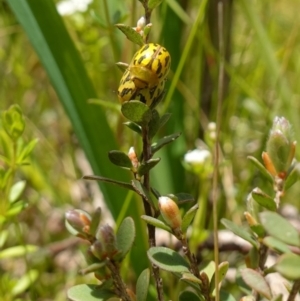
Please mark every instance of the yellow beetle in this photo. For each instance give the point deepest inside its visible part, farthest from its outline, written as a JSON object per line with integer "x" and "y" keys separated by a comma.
{"x": 145, "y": 76}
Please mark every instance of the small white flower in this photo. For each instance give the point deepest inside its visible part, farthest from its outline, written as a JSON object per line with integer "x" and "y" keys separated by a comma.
{"x": 197, "y": 156}
{"x": 69, "y": 7}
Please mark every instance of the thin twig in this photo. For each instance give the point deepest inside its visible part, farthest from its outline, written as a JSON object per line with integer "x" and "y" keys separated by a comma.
{"x": 121, "y": 289}
{"x": 151, "y": 229}
{"x": 217, "y": 156}
{"x": 294, "y": 291}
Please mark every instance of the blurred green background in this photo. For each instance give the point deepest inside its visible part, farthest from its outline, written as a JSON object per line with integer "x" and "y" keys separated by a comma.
{"x": 51, "y": 64}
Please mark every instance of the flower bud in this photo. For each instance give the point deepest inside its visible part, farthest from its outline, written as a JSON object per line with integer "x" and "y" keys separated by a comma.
{"x": 141, "y": 23}
{"x": 106, "y": 236}
{"x": 79, "y": 220}
{"x": 97, "y": 250}
{"x": 280, "y": 145}
{"x": 250, "y": 219}
{"x": 170, "y": 212}
{"x": 133, "y": 158}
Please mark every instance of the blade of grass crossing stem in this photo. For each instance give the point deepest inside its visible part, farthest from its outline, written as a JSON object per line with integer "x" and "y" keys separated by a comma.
{"x": 49, "y": 37}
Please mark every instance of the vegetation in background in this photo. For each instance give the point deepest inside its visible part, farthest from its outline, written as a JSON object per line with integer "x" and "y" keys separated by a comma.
{"x": 262, "y": 83}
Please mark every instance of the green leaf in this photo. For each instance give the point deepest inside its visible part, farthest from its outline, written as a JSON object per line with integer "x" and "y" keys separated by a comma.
{"x": 24, "y": 282}
{"x": 263, "y": 199}
{"x": 88, "y": 292}
{"x": 189, "y": 277}
{"x": 134, "y": 127}
{"x": 168, "y": 260}
{"x": 13, "y": 122}
{"x": 188, "y": 218}
{"x": 142, "y": 285}
{"x": 276, "y": 244}
{"x": 119, "y": 158}
{"x": 147, "y": 166}
{"x": 156, "y": 223}
{"x": 154, "y": 3}
{"x": 17, "y": 251}
{"x": 188, "y": 296}
{"x": 131, "y": 34}
{"x": 163, "y": 141}
{"x": 125, "y": 236}
{"x": 288, "y": 266}
{"x": 16, "y": 208}
{"x": 26, "y": 151}
{"x": 222, "y": 270}
{"x": 293, "y": 177}
{"x": 106, "y": 180}
{"x": 137, "y": 112}
{"x": 257, "y": 282}
{"x": 258, "y": 230}
{"x": 3, "y": 237}
{"x": 154, "y": 123}
{"x": 142, "y": 191}
{"x": 95, "y": 220}
{"x": 261, "y": 168}
{"x": 280, "y": 228}
{"x": 239, "y": 231}
{"x": 16, "y": 190}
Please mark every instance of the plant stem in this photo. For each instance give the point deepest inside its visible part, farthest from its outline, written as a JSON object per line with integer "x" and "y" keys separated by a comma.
{"x": 294, "y": 291}
{"x": 120, "y": 287}
{"x": 148, "y": 210}
{"x": 204, "y": 287}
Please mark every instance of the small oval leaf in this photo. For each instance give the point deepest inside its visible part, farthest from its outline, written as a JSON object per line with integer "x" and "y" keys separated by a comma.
{"x": 125, "y": 236}
{"x": 263, "y": 199}
{"x": 25, "y": 282}
{"x": 17, "y": 251}
{"x": 88, "y": 292}
{"x": 188, "y": 218}
{"x": 257, "y": 282}
{"x": 147, "y": 166}
{"x": 142, "y": 285}
{"x": 293, "y": 177}
{"x": 168, "y": 260}
{"x": 261, "y": 168}
{"x": 156, "y": 223}
{"x": 131, "y": 34}
{"x": 222, "y": 270}
{"x": 136, "y": 111}
{"x": 276, "y": 244}
{"x": 239, "y": 231}
{"x": 280, "y": 228}
{"x": 16, "y": 191}
{"x": 134, "y": 127}
{"x": 96, "y": 217}
{"x": 163, "y": 141}
{"x": 288, "y": 265}
{"x": 119, "y": 158}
